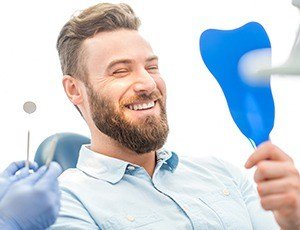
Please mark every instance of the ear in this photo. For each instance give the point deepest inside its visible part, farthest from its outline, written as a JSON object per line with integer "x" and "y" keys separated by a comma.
{"x": 74, "y": 89}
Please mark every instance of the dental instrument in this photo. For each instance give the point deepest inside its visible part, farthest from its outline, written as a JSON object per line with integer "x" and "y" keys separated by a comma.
{"x": 29, "y": 107}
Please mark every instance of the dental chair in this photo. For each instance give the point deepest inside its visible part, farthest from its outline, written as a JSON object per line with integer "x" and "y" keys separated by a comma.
{"x": 66, "y": 150}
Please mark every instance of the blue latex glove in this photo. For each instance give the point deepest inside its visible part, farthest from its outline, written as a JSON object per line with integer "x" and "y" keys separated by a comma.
{"x": 32, "y": 202}
{"x": 9, "y": 176}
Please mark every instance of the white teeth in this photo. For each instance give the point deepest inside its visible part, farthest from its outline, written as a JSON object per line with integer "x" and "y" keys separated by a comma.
{"x": 150, "y": 104}
{"x": 141, "y": 106}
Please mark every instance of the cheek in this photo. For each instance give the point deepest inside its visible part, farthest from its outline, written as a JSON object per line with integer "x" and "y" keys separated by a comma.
{"x": 116, "y": 90}
{"x": 161, "y": 85}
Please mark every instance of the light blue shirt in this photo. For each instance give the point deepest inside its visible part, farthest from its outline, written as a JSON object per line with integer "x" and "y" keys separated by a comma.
{"x": 186, "y": 193}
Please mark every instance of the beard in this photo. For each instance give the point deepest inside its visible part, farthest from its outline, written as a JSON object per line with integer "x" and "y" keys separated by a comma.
{"x": 146, "y": 135}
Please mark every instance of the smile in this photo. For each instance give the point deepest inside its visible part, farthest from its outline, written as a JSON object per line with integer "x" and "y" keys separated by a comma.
{"x": 141, "y": 106}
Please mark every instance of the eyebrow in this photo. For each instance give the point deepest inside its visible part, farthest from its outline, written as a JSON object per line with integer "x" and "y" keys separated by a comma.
{"x": 152, "y": 58}
{"x": 128, "y": 61}
{"x": 118, "y": 61}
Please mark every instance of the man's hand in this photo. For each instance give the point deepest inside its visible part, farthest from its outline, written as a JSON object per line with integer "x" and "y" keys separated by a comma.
{"x": 278, "y": 184}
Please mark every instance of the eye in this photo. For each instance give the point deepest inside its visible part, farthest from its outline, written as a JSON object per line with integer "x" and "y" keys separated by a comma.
{"x": 121, "y": 72}
{"x": 153, "y": 69}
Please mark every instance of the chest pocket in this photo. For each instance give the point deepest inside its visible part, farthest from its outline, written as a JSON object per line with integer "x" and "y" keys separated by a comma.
{"x": 132, "y": 221}
{"x": 229, "y": 207}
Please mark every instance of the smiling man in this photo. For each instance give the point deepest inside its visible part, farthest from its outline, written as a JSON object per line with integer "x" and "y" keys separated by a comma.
{"x": 125, "y": 179}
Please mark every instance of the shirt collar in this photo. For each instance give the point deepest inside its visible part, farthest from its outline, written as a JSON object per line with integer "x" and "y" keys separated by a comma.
{"x": 166, "y": 159}
{"x": 112, "y": 169}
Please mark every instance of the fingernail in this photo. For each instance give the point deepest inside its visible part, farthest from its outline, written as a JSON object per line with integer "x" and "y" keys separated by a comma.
{"x": 247, "y": 164}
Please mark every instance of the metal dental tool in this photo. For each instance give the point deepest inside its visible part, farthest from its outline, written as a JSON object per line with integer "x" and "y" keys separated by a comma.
{"x": 29, "y": 107}
{"x": 258, "y": 63}
{"x": 52, "y": 148}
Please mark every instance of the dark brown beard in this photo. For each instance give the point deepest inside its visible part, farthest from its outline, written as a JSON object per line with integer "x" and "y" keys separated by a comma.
{"x": 147, "y": 136}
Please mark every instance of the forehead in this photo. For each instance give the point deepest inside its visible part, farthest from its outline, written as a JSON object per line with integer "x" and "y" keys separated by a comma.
{"x": 105, "y": 47}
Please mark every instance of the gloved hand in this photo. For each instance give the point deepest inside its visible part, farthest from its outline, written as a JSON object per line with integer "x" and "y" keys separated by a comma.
{"x": 8, "y": 176}
{"x": 32, "y": 202}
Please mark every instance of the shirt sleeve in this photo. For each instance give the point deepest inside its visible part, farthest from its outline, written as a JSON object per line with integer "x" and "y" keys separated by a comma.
{"x": 72, "y": 214}
{"x": 260, "y": 218}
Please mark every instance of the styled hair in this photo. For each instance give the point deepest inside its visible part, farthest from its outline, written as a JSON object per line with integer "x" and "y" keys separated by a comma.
{"x": 102, "y": 17}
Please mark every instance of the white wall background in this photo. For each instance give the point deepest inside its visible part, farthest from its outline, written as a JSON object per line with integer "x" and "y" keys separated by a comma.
{"x": 198, "y": 115}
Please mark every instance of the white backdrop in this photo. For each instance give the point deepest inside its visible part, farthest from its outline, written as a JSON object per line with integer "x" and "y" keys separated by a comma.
{"x": 199, "y": 119}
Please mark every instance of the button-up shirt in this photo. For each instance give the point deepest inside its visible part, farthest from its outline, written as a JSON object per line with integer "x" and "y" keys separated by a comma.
{"x": 186, "y": 193}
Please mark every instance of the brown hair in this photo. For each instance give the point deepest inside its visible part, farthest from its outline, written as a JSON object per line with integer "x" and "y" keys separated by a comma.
{"x": 98, "y": 18}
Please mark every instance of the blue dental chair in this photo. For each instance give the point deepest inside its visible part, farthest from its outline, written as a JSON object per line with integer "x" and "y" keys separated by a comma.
{"x": 66, "y": 151}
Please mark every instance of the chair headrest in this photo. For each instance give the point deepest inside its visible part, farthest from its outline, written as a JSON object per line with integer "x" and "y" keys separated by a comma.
{"x": 66, "y": 150}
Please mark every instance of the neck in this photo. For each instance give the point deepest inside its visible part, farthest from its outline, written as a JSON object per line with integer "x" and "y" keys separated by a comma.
{"x": 101, "y": 143}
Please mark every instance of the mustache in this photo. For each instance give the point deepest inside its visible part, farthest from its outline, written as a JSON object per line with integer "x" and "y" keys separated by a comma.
{"x": 154, "y": 96}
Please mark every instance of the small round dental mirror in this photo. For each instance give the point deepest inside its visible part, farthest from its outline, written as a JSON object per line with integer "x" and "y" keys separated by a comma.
{"x": 29, "y": 107}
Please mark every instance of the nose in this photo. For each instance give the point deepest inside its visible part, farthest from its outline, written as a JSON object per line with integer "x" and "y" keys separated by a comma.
{"x": 145, "y": 83}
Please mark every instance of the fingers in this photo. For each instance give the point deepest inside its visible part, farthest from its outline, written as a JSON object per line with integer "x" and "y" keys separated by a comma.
{"x": 34, "y": 177}
{"x": 280, "y": 201}
{"x": 278, "y": 186}
{"x": 267, "y": 170}
{"x": 53, "y": 171}
{"x": 51, "y": 174}
{"x": 17, "y": 165}
{"x": 267, "y": 151}
{"x": 278, "y": 182}
{"x": 23, "y": 172}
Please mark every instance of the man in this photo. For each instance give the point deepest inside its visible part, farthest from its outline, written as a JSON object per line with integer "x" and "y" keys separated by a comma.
{"x": 29, "y": 200}
{"x": 124, "y": 179}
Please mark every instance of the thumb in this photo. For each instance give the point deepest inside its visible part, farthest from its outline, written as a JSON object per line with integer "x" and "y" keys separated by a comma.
{"x": 51, "y": 174}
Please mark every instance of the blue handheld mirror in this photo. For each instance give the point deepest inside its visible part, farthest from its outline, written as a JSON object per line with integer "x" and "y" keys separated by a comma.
{"x": 251, "y": 106}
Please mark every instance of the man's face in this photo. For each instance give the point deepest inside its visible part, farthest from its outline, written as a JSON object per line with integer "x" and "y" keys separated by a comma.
{"x": 126, "y": 95}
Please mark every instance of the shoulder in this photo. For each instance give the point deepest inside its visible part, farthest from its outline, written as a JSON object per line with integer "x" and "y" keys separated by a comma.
{"x": 211, "y": 163}
{"x": 213, "y": 166}
{"x": 73, "y": 214}
{"x": 71, "y": 173}
{"x": 75, "y": 181}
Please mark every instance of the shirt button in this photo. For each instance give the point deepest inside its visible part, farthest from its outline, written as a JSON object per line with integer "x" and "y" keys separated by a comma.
{"x": 164, "y": 154}
{"x": 130, "y": 218}
{"x": 131, "y": 167}
{"x": 185, "y": 208}
{"x": 225, "y": 192}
